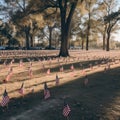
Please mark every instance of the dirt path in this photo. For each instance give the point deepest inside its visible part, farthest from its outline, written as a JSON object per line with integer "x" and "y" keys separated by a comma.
{"x": 35, "y": 113}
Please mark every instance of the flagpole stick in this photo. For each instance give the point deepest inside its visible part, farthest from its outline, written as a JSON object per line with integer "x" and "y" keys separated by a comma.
{"x": 7, "y": 106}
{"x": 3, "y": 109}
{"x": 23, "y": 96}
{"x": 67, "y": 117}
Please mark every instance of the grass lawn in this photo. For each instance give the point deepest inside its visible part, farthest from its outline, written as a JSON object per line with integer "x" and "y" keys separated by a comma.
{"x": 98, "y": 100}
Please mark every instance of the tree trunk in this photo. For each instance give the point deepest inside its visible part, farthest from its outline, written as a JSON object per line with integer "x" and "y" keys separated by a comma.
{"x": 104, "y": 37}
{"x": 50, "y": 37}
{"x": 87, "y": 39}
{"x": 108, "y": 36}
{"x": 82, "y": 44}
{"x": 64, "y": 40}
{"x": 64, "y": 37}
{"x": 31, "y": 41}
{"x": 88, "y": 32}
{"x": 65, "y": 26}
{"x": 87, "y": 42}
{"x": 27, "y": 33}
{"x": 109, "y": 29}
{"x": 108, "y": 42}
{"x": 103, "y": 41}
{"x": 27, "y": 41}
{"x": 64, "y": 48}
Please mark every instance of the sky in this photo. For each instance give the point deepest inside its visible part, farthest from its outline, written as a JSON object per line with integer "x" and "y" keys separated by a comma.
{"x": 117, "y": 36}
{"x": 118, "y": 33}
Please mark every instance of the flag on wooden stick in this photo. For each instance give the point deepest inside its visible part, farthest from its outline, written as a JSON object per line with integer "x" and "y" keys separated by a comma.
{"x": 66, "y": 109}
{"x": 30, "y": 64}
{"x": 20, "y": 63}
{"x": 91, "y": 66}
{"x": 32, "y": 90}
{"x": 5, "y": 63}
{"x": 12, "y": 61}
{"x": 21, "y": 90}
{"x": 10, "y": 73}
{"x": 61, "y": 69}
{"x": 10, "y": 69}
{"x": 46, "y": 91}
{"x": 7, "y": 78}
{"x": 48, "y": 71}
{"x": 72, "y": 67}
{"x": 5, "y": 99}
{"x": 30, "y": 72}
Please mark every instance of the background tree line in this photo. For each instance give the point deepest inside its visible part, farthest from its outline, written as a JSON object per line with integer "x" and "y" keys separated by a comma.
{"x": 59, "y": 23}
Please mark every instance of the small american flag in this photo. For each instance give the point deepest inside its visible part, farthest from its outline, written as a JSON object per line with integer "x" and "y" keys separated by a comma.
{"x": 91, "y": 66}
{"x": 10, "y": 73}
{"x": 5, "y": 99}
{"x": 72, "y": 67}
{"x": 66, "y": 109}
{"x": 48, "y": 71}
{"x": 30, "y": 72}
{"x": 20, "y": 63}
{"x": 30, "y": 64}
{"x": 21, "y": 90}
{"x": 46, "y": 91}
{"x": 7, "y": 77}
{"x": 12, "y": 61}
{"x": 61, "y": 69}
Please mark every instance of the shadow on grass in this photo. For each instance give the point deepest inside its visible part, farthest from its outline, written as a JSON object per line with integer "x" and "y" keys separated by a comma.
{"x": 87, "y": 103}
